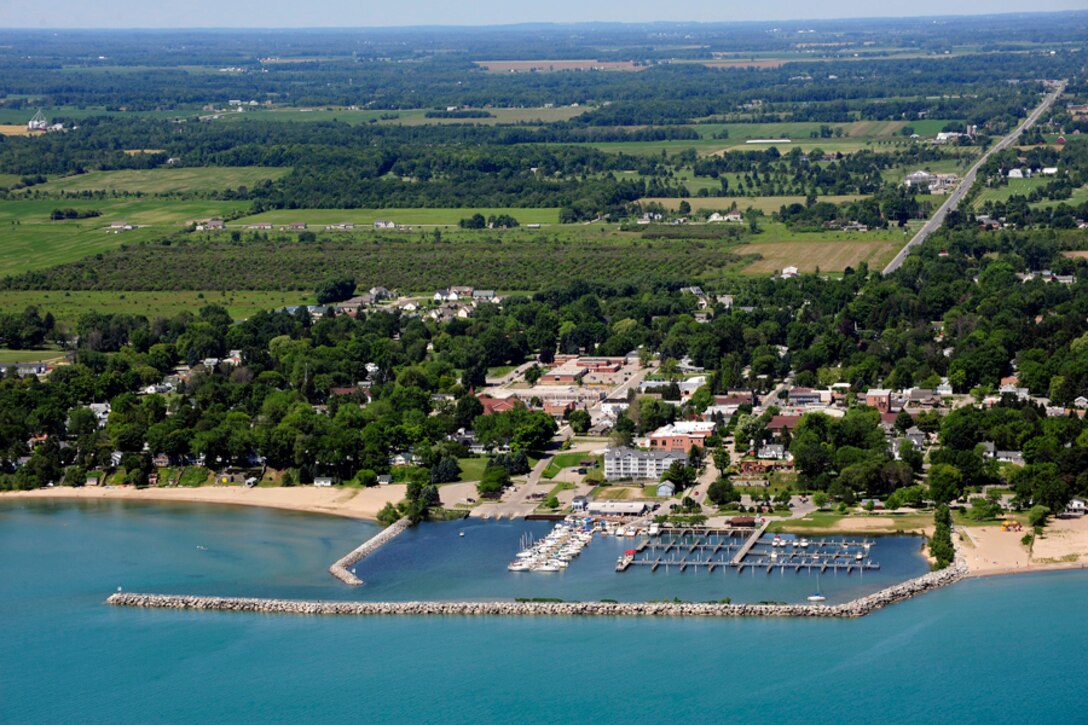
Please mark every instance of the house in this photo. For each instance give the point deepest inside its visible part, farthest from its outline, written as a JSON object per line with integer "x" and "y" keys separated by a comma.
{"x": 666, "y": 489}
{"x": 497, "y": 405}
{"x": 101, "y": 412}
{"x": 120, "y": 227}
{"x": 579, "y": 504}
{"x": 1015, "y": 174}
{"x": 920, "y": 179}
{"x": 1080, "y": 402}
{"x": 728, "y": 405}
{"x": 1016, "y": 458}
{"x": 322, "y": 481}
{"x": 1077, "y": 506}
{"x": 922, "y": 398}
{"x": 614, "y": 407}
{"x": 297, "y": 226}
{"x": 1050, "y": 171}
{"x": 211, "y": 225}
{"x": 631, "y": 463}
{"x": 789, "y": 272}
{"x": 945, "y": 388}
{"x": 916, "y": 437}
{"x": 462, "y": 292}
{"x": 682, "y": 435}
{"x": 385, "y": 479}
{"x": 383, "y": 224}
{"x": 380, "y": 293}
{"x": 484, "y": 295}
{"x": 880, "y": 399}
{"x": 773, "y": 452}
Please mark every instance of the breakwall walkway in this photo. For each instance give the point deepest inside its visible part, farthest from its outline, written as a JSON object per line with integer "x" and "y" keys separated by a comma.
{"x": 856, "y": 608}
{"x": 339, "y": 569}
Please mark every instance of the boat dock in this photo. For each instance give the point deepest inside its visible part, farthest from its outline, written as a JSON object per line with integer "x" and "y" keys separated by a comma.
{"x": 742, "y": 549}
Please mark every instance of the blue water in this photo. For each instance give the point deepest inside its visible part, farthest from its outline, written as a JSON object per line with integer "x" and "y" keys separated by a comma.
{"x": 980, "y": 651}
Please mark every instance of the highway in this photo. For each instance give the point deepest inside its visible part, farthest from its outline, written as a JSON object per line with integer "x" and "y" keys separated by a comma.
{"x": 968, "y": 181}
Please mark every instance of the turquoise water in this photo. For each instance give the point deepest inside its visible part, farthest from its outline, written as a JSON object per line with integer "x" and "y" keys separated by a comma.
{"x": 993, "y": 650}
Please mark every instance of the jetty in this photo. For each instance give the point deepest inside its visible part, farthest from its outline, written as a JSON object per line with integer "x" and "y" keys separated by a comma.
{"x": 856, "y": 608}
{"x": 340, "y": 570}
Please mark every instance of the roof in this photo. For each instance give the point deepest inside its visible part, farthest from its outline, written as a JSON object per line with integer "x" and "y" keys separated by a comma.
{"x": 658, "y": 453}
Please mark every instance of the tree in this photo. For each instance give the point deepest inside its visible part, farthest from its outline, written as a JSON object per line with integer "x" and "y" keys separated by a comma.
{"x": 1037, "y": 515}
{"x": 722, "y": 492}
{"x": 945, "y": 483}
{"x": 579, "y": 421}
{"x": 492, "y": 483}
{"x": 336, "y": 289}
{"x": 940, "y": 546}
{"x": 721, "y": 458}
{"x": 446, "y": 470}
{"x": 533, "y": 374}
{"x": 679, "y": 474}
{"x": 820, "y": 499}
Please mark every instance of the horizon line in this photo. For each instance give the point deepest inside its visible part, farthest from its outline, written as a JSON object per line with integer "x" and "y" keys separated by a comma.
{"x": 539, "y": 23}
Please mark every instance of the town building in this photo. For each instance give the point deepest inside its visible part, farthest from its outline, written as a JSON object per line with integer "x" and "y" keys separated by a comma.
{"x": 682, "y": 435}
{"x": 635, "y": 464}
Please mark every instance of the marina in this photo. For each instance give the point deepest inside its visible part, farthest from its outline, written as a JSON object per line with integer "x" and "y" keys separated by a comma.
{"x": 740, "y": 549}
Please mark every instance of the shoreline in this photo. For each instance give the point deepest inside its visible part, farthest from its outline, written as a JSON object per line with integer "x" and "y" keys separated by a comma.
{"x": 361, "y": 504}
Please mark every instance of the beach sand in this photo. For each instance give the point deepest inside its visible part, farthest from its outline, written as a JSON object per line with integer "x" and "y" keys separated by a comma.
{"x": 356, "y": 503}
{"x": 989, "y": 551}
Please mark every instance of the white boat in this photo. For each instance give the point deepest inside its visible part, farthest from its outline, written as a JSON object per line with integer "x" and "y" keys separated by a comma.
{"x": 519, "y": 565}
{"x": 804, "y": 543}
{"x": 859, "y": 556}
{"x": 546, "y": 567}
{"x": 818, "y": 596}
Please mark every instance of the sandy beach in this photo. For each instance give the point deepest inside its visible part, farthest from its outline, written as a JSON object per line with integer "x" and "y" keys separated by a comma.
{"x": 990, "y": 551}
{"x": 356, "y": 503}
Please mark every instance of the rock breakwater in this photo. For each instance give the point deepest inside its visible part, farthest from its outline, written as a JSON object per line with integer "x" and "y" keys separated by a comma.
{"x": 339, "y": 569}
{"x": 856, "y": 608}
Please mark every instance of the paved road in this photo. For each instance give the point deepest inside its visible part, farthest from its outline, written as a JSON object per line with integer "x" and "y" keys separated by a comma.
{"x": 968, "y": 181}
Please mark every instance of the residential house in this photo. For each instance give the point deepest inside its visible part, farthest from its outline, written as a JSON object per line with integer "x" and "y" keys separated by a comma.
{"x": 484, "y": 295}
{"x": 579, "y": 504}
{"x": 789, "y": 272}
{"x": 384, "y": 224}
{"x": 773, "y": 452}
{"x": 322, "y": 481}
{"x": 666, "y": 489}
{"x": 1014, "y": 457}
{"x": 779, "y": 423}
{"x": 916, "y": 437}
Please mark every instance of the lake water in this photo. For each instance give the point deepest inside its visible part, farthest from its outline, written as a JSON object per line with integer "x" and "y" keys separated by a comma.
{"x": 991, "y": 650}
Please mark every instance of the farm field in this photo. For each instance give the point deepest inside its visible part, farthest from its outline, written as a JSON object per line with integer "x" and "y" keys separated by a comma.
{"x": 1022, "y": 187}
{"x": 408, "y": 117}
{"x": 14, "y": 129}
{"x": 1078, "y": 197}
{"x": 435, "y": 217}
{"x": 546, "y": 66}
{"x": 164, "y": 180}
{"x": 67, "y": 306}
{"x": 766, "y": 204}
{"x": 31, "y": 241}
{"x": 807, "y": 256}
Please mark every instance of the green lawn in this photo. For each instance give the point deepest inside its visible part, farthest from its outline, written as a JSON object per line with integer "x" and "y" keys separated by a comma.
{"x": 1078, "y": 197}
{"x": 472, "y": 469}
{"x": 567, "y": 460}
{"x": 827, "y": 521}
{"x": 164, "y": 180}
{"x": 68, "y": 306}
{"x": 367, "y": 217}
{"x": 23, "y": 356}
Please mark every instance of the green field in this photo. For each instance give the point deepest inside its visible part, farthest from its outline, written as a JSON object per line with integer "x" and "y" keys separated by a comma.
{"x": 766, "y": 204}
{"x": 410, "y": 117}
{"x": 1078, "y": 197}
{"x": 21, "y": 356}
{"x": 1023, "y": 187}
{"x": 567, "y": 460}
{"x": 68, "y": 306}
{"x": 29, "y": 239}
{"x": 431, "y": 217}
{"x": 164, "y": 180}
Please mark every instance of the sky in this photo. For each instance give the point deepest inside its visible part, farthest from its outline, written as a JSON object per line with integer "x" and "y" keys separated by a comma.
{"x": 369, "y": 13}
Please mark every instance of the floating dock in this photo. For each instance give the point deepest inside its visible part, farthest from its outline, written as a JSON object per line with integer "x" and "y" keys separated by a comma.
{"x": 742, "y": 549}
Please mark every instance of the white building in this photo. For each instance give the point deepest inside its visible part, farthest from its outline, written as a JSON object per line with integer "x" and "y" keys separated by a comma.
{"x": 632, "y": 463}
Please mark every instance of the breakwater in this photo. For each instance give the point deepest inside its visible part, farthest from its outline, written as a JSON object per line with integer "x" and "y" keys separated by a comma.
{"x": 339, "y": 569}
{"x": 856, "y": 608}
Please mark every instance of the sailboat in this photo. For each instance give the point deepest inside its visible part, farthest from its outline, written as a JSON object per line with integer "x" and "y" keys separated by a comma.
{"x": 817, "y": 597}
